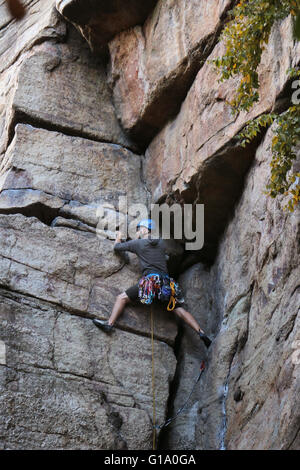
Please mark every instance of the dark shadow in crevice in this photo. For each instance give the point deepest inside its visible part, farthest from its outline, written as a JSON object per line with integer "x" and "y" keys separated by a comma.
{"x": 43, "y": 213}
{"x": 21, "y": 117}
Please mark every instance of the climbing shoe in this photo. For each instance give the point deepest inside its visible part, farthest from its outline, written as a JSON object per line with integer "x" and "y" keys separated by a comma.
{"x": 103, "y": 324}
{"x": 206, "y": 340}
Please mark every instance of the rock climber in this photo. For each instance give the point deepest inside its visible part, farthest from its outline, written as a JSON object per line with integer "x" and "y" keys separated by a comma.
{"x": 153, "y": 260}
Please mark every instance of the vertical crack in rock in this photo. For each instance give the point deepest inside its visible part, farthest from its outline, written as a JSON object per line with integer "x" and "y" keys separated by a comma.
{"x": 162, "y": 440}
{"x": 225, "y": 388}
{"x": 245, "y": 301}
{"x": 224, "y": 417}
{"x": 294, "y": 440}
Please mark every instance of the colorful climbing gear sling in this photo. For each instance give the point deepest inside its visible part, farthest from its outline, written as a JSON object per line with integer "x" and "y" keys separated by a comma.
{"x": 161, "y": 287}
{"x": 149, "y": 288}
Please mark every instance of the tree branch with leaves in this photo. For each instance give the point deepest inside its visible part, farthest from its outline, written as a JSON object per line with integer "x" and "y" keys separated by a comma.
{"x": 246, "y": 35}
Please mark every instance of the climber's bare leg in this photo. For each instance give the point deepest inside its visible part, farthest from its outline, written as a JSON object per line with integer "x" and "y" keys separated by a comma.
{"x": 188, "y": 318}
{"x": 121, "y": 301}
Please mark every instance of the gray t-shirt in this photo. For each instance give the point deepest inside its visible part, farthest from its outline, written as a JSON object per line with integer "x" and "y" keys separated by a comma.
{"x": 151, "y": 252}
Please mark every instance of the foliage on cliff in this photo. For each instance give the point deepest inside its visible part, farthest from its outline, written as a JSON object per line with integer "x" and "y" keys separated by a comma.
{"x": 246, "y": 35}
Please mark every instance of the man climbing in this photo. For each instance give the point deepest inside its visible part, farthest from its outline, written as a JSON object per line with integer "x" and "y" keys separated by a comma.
{"x": 153, "y": 260}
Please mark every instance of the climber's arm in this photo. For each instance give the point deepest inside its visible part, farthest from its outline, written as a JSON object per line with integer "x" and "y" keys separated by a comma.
{"x": 118, "y": 238}
{"x": 125, "y": 246}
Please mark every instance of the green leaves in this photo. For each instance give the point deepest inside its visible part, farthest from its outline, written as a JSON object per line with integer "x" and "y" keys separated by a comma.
{"x": 287, "y": 135}
{"x": 245, "y": 37}
{"x": 253, "y": 128}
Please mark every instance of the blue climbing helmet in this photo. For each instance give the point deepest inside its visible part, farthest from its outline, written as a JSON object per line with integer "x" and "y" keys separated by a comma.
{"x": 148, "y": 223}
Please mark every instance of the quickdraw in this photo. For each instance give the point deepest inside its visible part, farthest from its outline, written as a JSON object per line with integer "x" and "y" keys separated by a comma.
{"x": 172, "y": 301}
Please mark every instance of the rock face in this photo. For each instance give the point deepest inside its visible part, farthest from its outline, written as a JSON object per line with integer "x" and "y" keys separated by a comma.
{"x": 99, "y": 21}
{"x": 249, "y": 301}
{"x": 41, "y": 24}
{"x": 150, "y": 81}
{"x": 54, "y": 64}
{"x": 71, "y": 130}
{"x": 63, "y": 382}
{"x": 65, "y": 385}
{"x": 200, "y": 158}
{"x": 71, "y": 110}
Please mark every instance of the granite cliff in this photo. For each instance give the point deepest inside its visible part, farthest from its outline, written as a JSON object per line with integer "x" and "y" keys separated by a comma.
{"x": 104, "y": 99}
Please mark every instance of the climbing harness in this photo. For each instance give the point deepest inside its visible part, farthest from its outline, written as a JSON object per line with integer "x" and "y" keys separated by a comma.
{"x": 161, "y": 287}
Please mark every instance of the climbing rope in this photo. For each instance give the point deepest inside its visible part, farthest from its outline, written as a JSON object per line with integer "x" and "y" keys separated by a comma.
{"x": 183, "y": 407}
{"x": 166, "y": 423}
{"x": 153, "y": 379}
